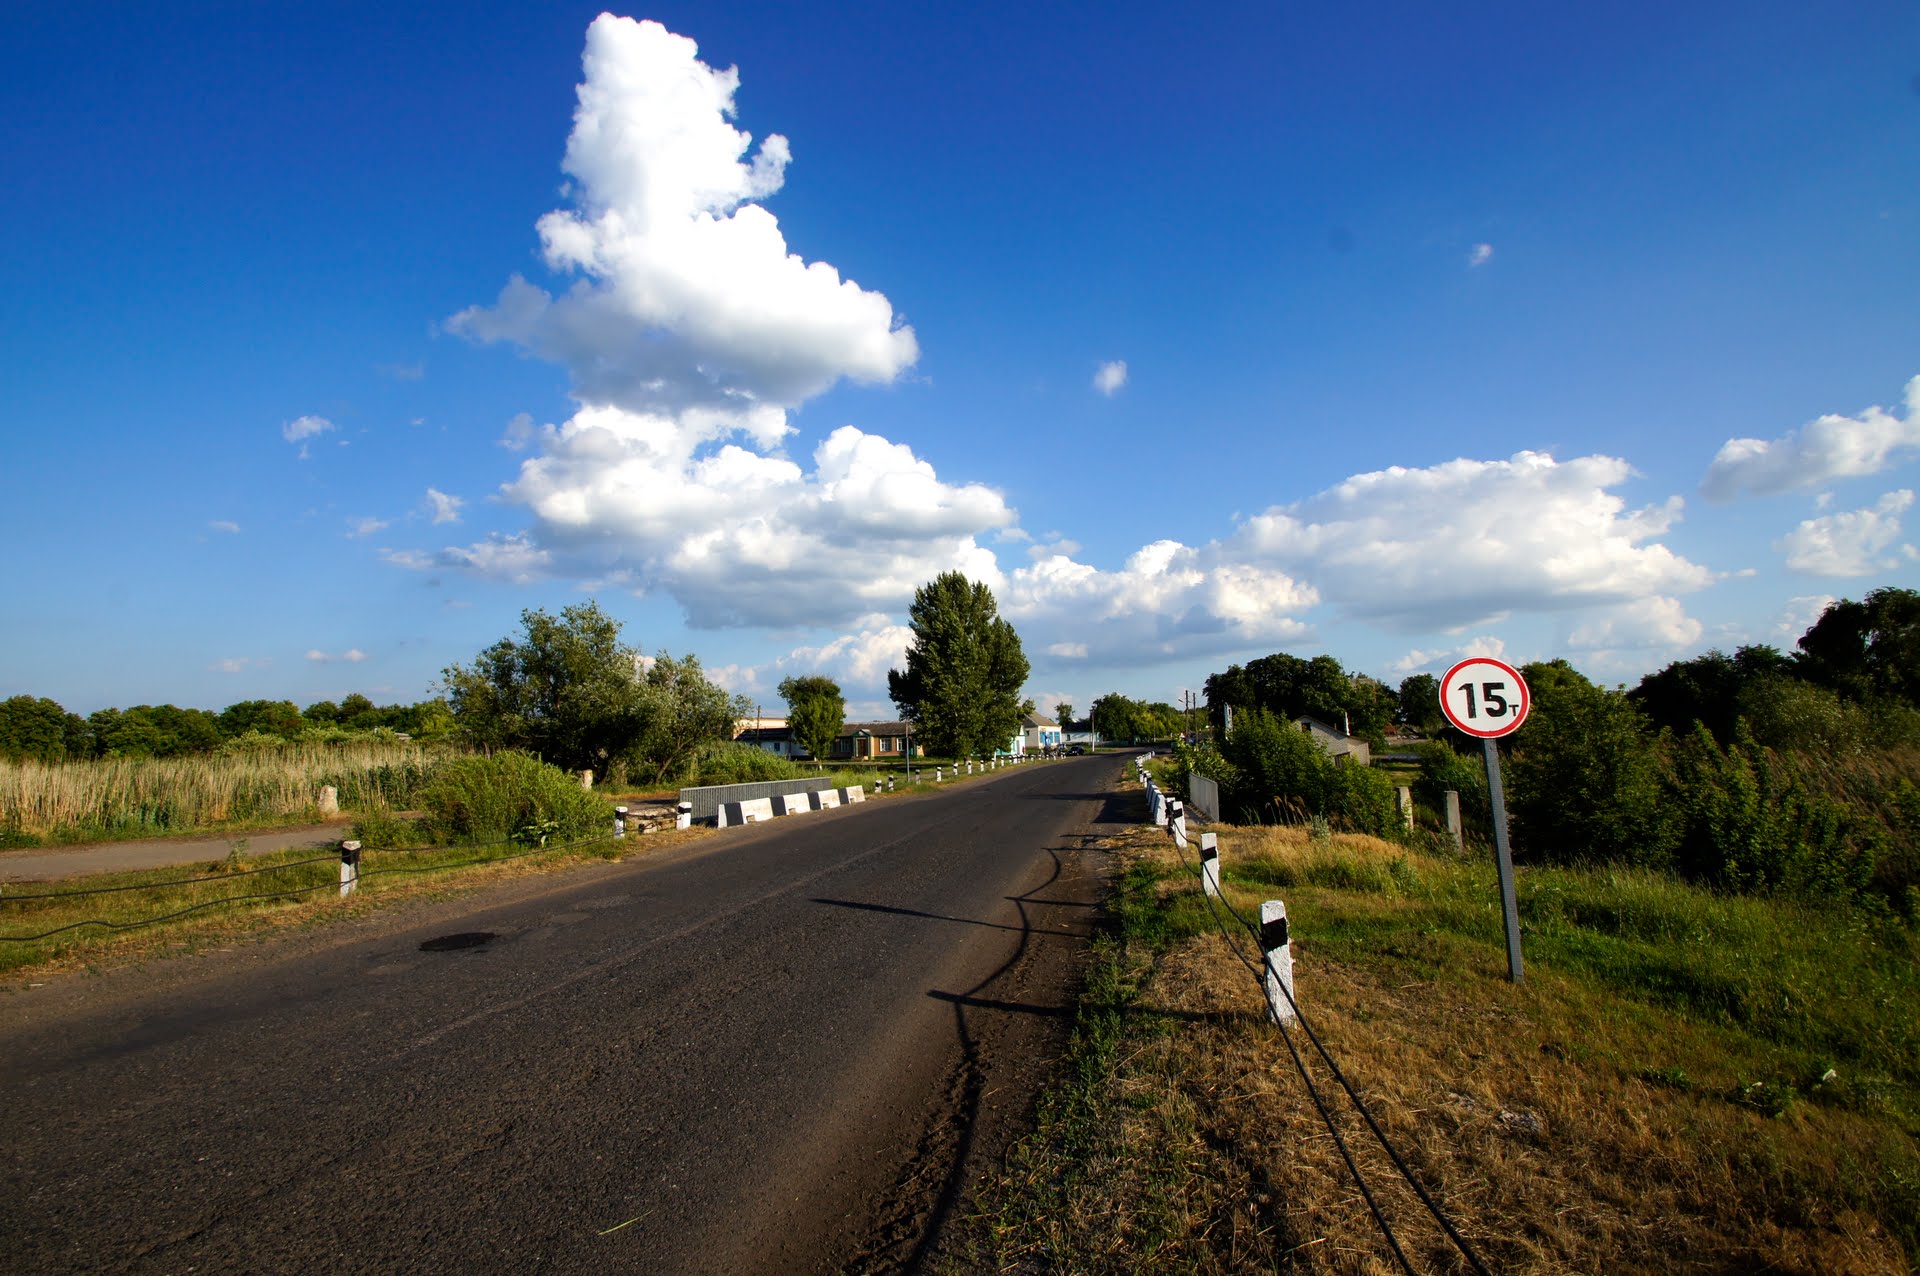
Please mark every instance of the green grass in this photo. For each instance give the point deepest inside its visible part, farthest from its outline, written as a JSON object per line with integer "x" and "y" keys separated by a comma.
{"x": 139, "y": 917}
{"x": 1649, "y": 1003}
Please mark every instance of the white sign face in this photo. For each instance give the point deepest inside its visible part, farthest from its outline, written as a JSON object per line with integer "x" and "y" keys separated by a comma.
{"x": 1485, "y": 697}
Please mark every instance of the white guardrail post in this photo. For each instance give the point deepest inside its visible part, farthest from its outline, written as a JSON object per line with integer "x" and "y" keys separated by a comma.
{"x": 1210, "y": 864}
{"x": 619, "y": 821}
{"x": 349, "y": 868}
{"x": 1177, "y": 822}
{"x": 1279, "y": 950}
{"x": 683, "y": 817}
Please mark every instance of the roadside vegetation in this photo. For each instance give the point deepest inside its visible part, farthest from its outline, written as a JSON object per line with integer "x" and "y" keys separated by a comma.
{"x": 1688, "y": 1080}
{"x": 126, "y": 797}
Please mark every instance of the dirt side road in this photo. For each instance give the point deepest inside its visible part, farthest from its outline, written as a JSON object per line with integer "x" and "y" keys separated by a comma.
{"x": 38, "y": 865}
{"x": 782, "y": 1049}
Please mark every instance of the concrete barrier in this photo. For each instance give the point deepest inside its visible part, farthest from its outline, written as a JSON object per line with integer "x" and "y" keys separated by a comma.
{"x": 823, "y": 799}
{"x": 793, "y": 803}
{"x": 705, "y": 800}
{"x": 756, "y": 810}
{"x": 857, "y": 793}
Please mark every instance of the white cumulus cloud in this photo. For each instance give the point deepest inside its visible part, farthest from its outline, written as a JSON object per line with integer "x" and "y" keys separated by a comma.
{"x": 1853, "y": 543}
{"x": 1827, "y": 448}
{"x": 367, "y": 526}
{"x": 1111, "y": 376}
{"x": 301, "y": 429}
{"x": 1468, "y": 542}
{"x": 690, "y": 333}
{"x": 226, "y": 525}
{"x": 1479, "y": 255}
{"x": 446, "y": 509}
{"x": 351, "y": 656}
{"x": 1645, "y": 624}
{"x": 688, "y": 294}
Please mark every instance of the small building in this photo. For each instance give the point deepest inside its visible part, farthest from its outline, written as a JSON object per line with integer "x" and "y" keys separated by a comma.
{"x": 872, "y": 740}
{"x": 1336, "y": 743}
{"x": 1038, "y": 732}
{"x": 778, "y": 741}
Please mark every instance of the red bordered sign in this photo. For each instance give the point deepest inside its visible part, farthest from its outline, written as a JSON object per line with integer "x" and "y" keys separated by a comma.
{"x": 1485, "y": 697}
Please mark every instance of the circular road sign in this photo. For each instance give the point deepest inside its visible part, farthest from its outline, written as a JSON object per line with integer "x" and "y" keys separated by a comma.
{"x": 1485, "y": 697}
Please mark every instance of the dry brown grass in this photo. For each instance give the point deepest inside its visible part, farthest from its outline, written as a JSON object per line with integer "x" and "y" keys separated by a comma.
{"x": 1521, "y": 1109}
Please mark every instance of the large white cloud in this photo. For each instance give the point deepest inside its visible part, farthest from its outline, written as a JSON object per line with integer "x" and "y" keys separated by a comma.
{"x": 689, "y": 335}
{"x": 687, "y": 293}
{"x": 1467, "y": 542}
{"x": 1854, "y": 543}
{"x": 1167, "y": 600}
{"x": 1830, "y": 447}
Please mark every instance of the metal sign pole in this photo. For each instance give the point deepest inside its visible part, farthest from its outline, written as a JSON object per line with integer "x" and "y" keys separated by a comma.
{"x": 1503, "y": 853}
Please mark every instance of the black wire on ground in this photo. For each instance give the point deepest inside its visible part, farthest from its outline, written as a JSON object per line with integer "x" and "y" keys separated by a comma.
{"x": 1266, "y": 965}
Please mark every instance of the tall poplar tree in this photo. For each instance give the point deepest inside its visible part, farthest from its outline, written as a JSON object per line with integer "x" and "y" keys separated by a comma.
{"x": 965, "y": 668}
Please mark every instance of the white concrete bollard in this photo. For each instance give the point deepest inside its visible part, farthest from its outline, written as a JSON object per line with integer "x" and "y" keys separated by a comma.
{"x": 619, "y": 821}
{"x": 1279, "y": 950}
{"x": 1177, "y": 822}
{"x": 1405, "y": 796}
{"x": 939, "y": 775}
{"x": 349, "y": 868}
{"x": 329, "y": 803}
{"x": 683, "y": 817}
{"x": 1453, "y": 821}
{"x": 1210, "y": 864}
{"x": 1159, "y": 808}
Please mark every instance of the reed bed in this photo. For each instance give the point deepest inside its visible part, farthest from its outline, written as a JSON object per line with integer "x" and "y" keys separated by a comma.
{"x": 150, "y": 797}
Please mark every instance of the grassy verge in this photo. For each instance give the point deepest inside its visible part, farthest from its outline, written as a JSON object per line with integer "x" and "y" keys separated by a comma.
{"x": 113, "y": 798}
{"x": 1686, "y": 1082}
{"x": 216, "y": 908}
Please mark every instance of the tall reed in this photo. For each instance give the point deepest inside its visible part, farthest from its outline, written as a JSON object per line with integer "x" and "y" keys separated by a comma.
{"x": 141, "y": 797}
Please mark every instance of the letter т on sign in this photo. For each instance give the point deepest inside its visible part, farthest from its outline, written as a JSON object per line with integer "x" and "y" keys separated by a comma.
{"x": 1487, "y": 698}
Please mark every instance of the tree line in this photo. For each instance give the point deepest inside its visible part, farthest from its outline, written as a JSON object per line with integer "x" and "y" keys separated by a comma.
{"x": 1761, "y": 770}
{"x": 35, "y": 728}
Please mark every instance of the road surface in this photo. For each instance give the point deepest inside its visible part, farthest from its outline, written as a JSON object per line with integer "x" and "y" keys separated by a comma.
{"x": 785, "y": 1048}
{"x": 39, "y": 865}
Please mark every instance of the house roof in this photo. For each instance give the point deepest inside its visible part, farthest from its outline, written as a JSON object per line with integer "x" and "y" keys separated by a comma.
{"x": 1038, "y": 720}
{"x": 873, "y": 728}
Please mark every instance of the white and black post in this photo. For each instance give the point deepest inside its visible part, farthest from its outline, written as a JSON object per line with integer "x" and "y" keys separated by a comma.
{"x": 1279, "y": 949}
{"x": 683, "y": 816}
{"x": 1210, "y": 864}
{"x": 619, "y": 822}
{"x": 349, "y": 868}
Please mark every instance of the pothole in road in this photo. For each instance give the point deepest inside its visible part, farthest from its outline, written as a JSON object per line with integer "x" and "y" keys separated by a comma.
{"x": 452, "y": 943}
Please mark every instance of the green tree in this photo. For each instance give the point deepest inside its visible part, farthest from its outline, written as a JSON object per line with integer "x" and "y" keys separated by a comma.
{"x": 682, "y": 712}
{"x": 1583, "y": 782}
{"x": 38, "y": 730}
{"x": 815, "y": 712}
{"x": 965, "y": 668}
{"x": 1868, "y": 650}
{"x": 567, "y": 690}
{"x": 1419, "y": 705}
{"x": 1116, "y": 717}
{"x": 268, "y": 717}
{"x": 1063, "y": 714}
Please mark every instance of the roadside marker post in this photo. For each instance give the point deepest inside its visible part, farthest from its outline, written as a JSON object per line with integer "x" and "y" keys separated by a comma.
{"x": 1488, "y": 698}
{"x": 619, "y": 821}
{"x": 1453, "y": 822}
{"x": 1177, "y": 822}
{"x": 1279, "y": 950}
{"x": 349, "y": 868}
{"x": 1210, "y": 864}
{"x": 683, "y": 816}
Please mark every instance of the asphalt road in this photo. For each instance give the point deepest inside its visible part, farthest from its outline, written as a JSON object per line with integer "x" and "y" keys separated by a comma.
{"x": 784, "y": 1048}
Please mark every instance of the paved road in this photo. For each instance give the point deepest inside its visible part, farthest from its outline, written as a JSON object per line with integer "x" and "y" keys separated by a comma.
{"x": 781, "y": 1049}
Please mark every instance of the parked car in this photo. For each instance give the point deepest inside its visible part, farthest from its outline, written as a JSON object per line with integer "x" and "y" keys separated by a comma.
{"x": 1077, "y": 750}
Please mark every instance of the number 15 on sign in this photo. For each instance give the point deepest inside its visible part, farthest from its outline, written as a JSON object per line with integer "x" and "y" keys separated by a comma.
{"x": 1487, "y": 698}
{"x": 1484, "y": 697}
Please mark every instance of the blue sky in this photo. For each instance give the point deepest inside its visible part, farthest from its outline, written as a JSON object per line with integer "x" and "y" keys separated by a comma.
{"x": 337, "y": 334}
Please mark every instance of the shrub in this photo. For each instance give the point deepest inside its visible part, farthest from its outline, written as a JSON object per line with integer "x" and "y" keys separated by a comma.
{"x": 1273, "y": 766}
{"x": 728, "y": 762}
{"x": 1584, "y": 782}
{"x": 491, "y": 799}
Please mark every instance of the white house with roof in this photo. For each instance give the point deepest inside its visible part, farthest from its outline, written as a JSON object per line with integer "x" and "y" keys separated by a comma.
{"x": 1038, "y": 731}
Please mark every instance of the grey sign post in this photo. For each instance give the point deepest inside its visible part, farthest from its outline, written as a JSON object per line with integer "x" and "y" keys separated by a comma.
{"x": 1489, "y": 699}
